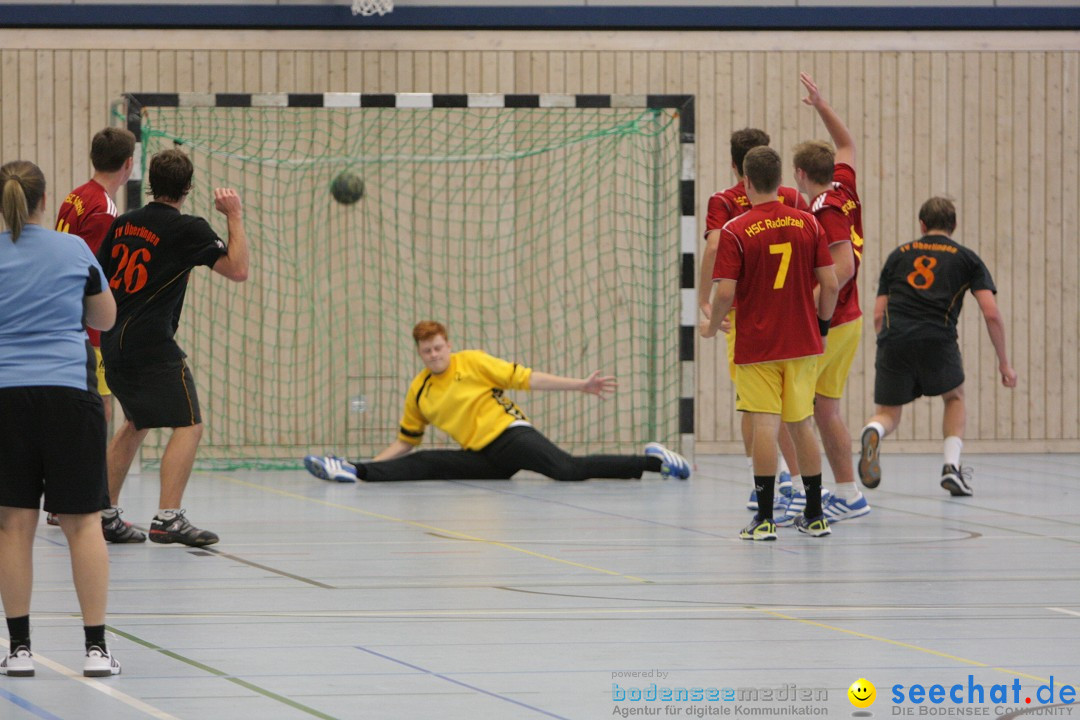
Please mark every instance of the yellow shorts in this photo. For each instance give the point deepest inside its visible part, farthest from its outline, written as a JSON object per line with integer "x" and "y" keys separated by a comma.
{"x": 841, "y": 345}
{"x": 102, "y": 388}
{"x": 784, "y": 388}
{"x": 731, "y": 344}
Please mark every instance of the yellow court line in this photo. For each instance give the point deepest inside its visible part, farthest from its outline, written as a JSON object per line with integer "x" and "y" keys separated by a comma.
{"x": 514, "y": 548}
{"x": 908, "y": 646}
{"x": 424, "y": 526}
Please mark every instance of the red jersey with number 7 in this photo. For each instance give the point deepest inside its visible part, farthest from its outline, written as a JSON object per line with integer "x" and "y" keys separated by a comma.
{"x": 87, "y": 211}
{"x": 771, "y": 251}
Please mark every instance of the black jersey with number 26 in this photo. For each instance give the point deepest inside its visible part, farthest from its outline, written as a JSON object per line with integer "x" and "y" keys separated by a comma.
{"x": 925, "y": 282}
{"x": 147, "y": 256}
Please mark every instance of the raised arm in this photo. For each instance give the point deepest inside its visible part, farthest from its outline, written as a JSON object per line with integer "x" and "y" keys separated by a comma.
{"x": 995, "y": 325}
{"x": 841, "y": 137}
{"x": 595, "y": 384}
{"x": 234, "y": 264}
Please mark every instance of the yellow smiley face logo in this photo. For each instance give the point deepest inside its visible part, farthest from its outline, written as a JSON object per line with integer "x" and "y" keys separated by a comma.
{"x": 862, "y": 693}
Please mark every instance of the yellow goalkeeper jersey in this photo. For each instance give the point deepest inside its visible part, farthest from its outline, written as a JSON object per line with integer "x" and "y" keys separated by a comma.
{"x": 467, "y": 400}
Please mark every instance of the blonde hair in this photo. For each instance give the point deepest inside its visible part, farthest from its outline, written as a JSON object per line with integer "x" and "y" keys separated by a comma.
{"x": 817, "y": 159}
{"x": 22, "y": 186}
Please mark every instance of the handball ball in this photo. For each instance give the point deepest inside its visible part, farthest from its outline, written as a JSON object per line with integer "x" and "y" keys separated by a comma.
{"x": 347, "y": 188}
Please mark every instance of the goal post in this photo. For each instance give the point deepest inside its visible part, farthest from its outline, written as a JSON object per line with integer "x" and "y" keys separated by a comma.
{"x": 556, "y": 231}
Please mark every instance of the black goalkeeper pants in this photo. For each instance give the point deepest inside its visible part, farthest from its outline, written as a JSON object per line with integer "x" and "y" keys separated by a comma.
{"x": 518, "y": 448}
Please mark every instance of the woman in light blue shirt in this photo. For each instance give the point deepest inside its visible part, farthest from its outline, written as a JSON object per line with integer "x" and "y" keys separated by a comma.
{"x": 52, "y": 422}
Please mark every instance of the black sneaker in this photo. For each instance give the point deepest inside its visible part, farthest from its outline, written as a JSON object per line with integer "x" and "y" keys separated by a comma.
{"x": 818, "y": 527}
{"x": 759, "y": 529}
{"x": 957, "y": 481}
{"x": 118, "y": 531}
{"x": 179, "y": 530}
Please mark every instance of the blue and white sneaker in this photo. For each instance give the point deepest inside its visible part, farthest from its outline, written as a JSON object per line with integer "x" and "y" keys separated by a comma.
{"x": 783, "y": 489}
{"x": 331, "y": 467}
{"x": 672, "y": 464}
{"x": 795, "y": 505}
{"x": 789, "y": 508}
{"x": 836, "y": 508}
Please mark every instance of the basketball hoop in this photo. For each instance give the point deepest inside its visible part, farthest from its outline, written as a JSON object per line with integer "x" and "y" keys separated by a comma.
{"x": 368, "y": 8}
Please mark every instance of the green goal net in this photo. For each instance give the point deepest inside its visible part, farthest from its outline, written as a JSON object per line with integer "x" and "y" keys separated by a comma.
{"x": 546, "y": 236}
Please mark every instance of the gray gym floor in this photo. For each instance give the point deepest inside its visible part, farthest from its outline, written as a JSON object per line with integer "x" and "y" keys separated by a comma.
{"x": 532, "y": 598}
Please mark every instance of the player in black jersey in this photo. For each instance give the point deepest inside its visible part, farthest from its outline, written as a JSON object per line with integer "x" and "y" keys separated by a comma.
{"x": 147, "y": 256}
{"x": 920, "y": 295}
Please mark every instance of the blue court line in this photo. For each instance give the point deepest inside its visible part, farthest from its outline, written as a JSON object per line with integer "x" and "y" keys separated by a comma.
{"x": 28, "y": 706}
{"x": 458, "y": 682}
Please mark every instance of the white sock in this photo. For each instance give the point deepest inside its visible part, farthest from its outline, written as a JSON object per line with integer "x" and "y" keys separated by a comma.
{"x": 797, "y": 484}
{"x": 110, "y": 512}
{"x": 877, "y": 426}
{"x": 847, "y": 491}
{"x": 953, "y": 446}
{"x": 168, "y": 514}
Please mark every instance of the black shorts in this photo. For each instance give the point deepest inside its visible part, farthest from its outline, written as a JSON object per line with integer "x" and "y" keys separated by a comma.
{"x": 52, "y": 442}
{"x": 156, "y": 396}
{"x": 909, "y": 370}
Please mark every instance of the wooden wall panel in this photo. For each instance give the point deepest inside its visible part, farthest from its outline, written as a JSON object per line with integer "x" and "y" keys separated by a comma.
{"x": 988, "y": 119}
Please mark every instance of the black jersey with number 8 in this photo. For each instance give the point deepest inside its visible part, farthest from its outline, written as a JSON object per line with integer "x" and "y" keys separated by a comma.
{"x": 925, "y": 282}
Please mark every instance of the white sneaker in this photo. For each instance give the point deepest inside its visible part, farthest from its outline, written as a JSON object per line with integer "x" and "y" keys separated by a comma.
{"x": 330, "y": 467}
{"x": 99, "y": 663}
{"x": 20, "y": 663}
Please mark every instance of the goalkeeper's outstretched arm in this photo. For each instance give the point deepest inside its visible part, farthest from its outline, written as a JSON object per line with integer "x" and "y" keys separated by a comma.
{"x": 595, "y": 384}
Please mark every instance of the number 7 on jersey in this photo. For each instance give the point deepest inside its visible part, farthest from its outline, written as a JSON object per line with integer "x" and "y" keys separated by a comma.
{"x": 784, "y": 251}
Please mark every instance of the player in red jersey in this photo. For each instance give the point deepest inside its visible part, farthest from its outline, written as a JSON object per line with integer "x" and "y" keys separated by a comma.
{"x": 768, "y": 261}
{"x": 724, "y": 206}
{"x": 828, "y": 177}
{"x": 89, "y": 210}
